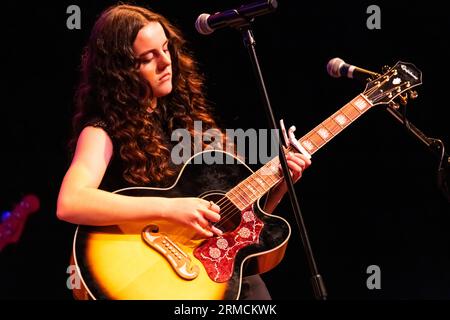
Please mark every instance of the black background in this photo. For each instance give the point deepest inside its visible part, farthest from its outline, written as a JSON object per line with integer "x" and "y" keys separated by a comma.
{"x": 370, "y": 196}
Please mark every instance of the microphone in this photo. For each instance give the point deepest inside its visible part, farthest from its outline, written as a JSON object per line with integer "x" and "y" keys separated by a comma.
{"x": 206, "y": 23}
{"x": 337, "y": 67}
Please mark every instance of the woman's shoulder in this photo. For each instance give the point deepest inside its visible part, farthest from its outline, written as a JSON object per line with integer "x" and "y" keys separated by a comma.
{"x": 90, "y": 130}
{"x": 97, "y": 123}
{"x": 94, "y": 141}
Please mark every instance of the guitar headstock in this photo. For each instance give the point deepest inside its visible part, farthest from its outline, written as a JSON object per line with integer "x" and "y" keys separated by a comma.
{"x": 399, "y": 79}
{"x": 13, "y": 222}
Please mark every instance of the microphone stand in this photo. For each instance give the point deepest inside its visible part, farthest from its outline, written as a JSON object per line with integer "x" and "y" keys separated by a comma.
{"x": 244, "y": 25}
{"x": 435, "y": 146}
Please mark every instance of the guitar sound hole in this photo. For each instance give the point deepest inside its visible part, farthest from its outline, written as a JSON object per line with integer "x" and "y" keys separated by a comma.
{"x": 230, "y": 214}
{"x": 227, "y": 225}
{"x": 230, "y": 218}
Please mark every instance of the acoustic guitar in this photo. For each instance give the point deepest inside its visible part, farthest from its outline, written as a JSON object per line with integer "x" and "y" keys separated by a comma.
{"x": 135, "y": 261}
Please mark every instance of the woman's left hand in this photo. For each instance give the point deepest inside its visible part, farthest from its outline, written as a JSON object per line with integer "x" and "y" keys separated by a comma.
{"x": 297, "y": 163}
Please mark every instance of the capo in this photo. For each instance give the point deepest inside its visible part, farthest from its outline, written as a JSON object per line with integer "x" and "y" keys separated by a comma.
{"x": 292, "y": 140}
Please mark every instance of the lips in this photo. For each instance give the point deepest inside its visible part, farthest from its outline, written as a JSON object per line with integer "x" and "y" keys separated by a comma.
{"x": 165, "y": 77}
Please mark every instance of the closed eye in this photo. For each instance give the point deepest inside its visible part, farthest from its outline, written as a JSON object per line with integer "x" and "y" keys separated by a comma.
{"x": 148, "y": 56}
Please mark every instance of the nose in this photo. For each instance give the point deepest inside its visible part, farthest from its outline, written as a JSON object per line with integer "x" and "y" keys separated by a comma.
{"x": 164, "y": 60}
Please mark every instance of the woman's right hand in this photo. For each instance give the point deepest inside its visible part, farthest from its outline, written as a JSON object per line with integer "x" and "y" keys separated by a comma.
{"x": 196, "y": 214}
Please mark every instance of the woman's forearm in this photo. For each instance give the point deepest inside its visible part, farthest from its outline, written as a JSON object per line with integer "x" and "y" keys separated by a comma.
{"x": 90, "y": 206}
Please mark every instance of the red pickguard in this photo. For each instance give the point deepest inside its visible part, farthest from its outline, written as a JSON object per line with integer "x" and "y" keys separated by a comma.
{"x": 218, "y": 254}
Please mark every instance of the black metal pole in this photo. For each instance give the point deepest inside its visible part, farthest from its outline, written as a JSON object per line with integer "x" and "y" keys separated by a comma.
{"x": 316, "y": 279}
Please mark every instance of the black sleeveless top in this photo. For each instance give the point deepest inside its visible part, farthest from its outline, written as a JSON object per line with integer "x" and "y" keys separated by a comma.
{"x": 113, "y": 178}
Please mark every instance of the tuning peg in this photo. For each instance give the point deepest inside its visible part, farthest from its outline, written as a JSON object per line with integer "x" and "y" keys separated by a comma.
{"x": 385, "y": 68}
{"x": 413, "y": 94}
{"x": 403, "y": 99}
{"x": 394, "y": 105}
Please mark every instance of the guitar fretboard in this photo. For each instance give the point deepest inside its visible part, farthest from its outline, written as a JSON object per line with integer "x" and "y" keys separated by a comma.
{"x": 260, "y": 182}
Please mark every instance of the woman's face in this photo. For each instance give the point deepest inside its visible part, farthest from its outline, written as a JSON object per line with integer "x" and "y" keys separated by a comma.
{"x": 151, "y": 46}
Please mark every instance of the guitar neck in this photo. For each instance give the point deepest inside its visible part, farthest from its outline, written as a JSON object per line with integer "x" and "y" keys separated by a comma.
{"x": 260, "y": 182}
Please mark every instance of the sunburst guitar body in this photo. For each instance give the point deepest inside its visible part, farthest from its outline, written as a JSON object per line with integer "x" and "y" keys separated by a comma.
{"x": 162, "y": 261}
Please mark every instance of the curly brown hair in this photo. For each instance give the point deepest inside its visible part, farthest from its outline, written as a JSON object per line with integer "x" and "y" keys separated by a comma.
{"x": 112, "y": 89}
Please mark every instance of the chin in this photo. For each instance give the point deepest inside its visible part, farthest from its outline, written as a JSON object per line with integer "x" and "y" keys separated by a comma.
{"x": 164, "y": 91}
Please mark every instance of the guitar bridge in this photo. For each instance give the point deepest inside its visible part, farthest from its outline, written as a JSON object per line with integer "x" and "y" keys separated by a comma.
{"x": 179, "y": 260}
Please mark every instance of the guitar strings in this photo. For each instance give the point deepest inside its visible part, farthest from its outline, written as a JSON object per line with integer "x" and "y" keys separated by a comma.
{"x": 229, "y": 210}
{"x": 234, "y": 210}
{"x": 376, "y": 97}
{"x": 238, "y": 186}
{"x": 230, "y": 213}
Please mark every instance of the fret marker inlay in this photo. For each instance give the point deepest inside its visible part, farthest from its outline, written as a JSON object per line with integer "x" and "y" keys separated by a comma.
{"x": 324, "y": 133}
{"x": 341, "y": 119}
{"x": 269, "y": 169}
{"x": 308, "y": 145}
{"x": 361, "y": 104}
